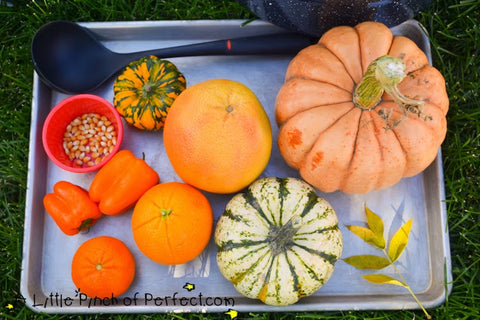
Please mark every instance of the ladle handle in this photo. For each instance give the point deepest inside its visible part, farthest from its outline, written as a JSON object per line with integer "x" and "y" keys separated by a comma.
{"x": 285, "y": 43}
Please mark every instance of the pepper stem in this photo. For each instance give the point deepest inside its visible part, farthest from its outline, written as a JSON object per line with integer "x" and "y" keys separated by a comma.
{"x": 87, "y": 223}
{"x": 383, "y": 75}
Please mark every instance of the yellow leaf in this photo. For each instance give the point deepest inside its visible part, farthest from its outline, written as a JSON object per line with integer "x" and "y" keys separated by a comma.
{"x": 375, "y": 224}
{"x": 399, "y": 241}
{"x": 382, "y": 279}
{"x": 366, "y": 235}
{"x": 367, "y": 261}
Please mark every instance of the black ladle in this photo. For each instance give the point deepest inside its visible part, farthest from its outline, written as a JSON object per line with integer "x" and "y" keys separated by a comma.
{"x": 70, "y": 59}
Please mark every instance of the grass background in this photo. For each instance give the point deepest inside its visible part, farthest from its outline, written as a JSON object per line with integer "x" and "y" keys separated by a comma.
{"x": 455, "y": 37}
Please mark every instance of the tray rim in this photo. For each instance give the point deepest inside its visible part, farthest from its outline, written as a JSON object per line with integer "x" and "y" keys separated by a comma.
{"x": 382, "y": 303}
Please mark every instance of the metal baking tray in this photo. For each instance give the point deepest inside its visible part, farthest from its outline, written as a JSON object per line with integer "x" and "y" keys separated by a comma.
{"x": 46, "y": 284}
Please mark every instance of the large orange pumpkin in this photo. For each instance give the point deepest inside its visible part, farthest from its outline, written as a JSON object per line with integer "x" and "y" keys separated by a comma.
{"x": 360, "y": 110}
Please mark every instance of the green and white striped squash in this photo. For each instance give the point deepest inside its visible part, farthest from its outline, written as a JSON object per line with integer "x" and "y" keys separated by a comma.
{"x": 145, "y": 91}
{"x": 278, "y": 241}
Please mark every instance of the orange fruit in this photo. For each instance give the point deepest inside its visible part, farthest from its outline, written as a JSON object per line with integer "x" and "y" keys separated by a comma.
{"x": 217, "y": 136}
{"x": 172, "y": 223}
{"x": 103, "y": 267}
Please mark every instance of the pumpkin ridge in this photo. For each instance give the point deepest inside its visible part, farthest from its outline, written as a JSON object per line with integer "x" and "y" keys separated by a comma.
{"x": 325, "y": 105}
{"x": 320, "y": 81}
{"x": 331, "y": 125}
{"x": 138, "y": 74}
{"x": 316, "y": 231}
{"x": 235, "y": 217}
{"x": 268, "y": 209}
{"x": 252, "y": 201}
{"x": 263, "y": 292}
{"x": 282, "y": 193}
{"x": 296, "y": 285}
{"x": 423, "y": 122}
{"x": 276, "y": 283}
{"x": 359, "y": 50}
{"x": 242, "y": 275}
{"x": 379, "y": 146}
{"x": 139, "y": 110}
{"x": 393, "y": 131}
{"x": 354, "y": 149}
{"x": 373, "y": 35}
{"x": 311, "y": 202}
{"x": 345, "y": 52}
{"x": 394, "y": 140}
{"x": 324, "y": 61}
{"x": 311, "y": 272}
{"x": 364, "y": 125}
{"x": 330, "y": 258}
{"x": 230, "y": 245}
{"x": 344, "y": 67}
{"x": 311, "y": 95}
{"x": 380, "y": 150}
{"x": 343, "y": 115}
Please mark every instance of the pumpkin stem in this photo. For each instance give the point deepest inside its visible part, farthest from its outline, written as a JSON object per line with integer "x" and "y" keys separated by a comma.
{"x": 280, "y": 237}
{"x": 147, "y": 89}
{"x": 383, "y": 75}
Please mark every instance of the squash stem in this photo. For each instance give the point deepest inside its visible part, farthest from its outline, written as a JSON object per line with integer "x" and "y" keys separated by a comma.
{"x": 383, "y": 75}
{"x": 280, "y": 237}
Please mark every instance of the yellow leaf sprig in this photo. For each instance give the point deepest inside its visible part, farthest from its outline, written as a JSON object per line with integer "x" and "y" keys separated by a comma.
{"x": 373, "y": 235}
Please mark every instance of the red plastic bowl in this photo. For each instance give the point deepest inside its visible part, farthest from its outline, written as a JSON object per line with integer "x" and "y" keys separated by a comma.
{"x": 64, "y": 113}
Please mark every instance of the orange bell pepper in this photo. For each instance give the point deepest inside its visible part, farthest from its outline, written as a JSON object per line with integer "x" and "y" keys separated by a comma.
{"x": 121, "y": 182}
{"x": 71, "y": 208}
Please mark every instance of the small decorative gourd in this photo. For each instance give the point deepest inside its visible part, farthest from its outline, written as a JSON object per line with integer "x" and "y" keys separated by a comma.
{"x": 145, "y": 90}
{"x": 278, "y": 241}
{"x": 360, "y": 110}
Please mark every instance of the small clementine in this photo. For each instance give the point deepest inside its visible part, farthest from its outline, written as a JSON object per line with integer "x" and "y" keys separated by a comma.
{"x": 172, "y": 223}
{"x": 217, "y": 136}
{"x": 103, "y": 267}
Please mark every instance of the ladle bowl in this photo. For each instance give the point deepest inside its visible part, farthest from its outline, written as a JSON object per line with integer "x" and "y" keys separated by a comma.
{"x": 70, "y": 59}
